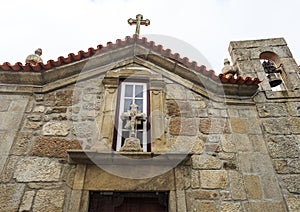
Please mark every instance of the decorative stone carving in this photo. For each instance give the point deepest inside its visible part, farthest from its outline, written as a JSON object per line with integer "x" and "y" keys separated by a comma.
{"x": 228, "y": 70}
{"x": 133, "y": 117}
{"x": 35, "y": 58}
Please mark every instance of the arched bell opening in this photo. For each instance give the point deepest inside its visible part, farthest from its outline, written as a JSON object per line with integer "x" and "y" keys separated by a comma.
{"x": 273, "y": 69}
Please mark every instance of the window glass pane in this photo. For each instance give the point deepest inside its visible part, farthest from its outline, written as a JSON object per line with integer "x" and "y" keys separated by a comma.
{"x": 139, "y": 102}
{"x": 125, "y": 134}
{"x": 139, "y": 91}
{"x": 128, "y": 90}
{"x": 127, "y": 103}
{"x": 139, "y": 125}
{"x": 140, "y": 136}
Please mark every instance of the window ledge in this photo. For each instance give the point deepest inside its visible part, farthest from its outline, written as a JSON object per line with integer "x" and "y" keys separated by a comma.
{"x": 126, "y": 158}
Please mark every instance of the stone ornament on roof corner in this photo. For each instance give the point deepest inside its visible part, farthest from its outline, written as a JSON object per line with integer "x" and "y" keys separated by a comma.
{"x": 129, "y": 40}
{"x": 35, "y": 58}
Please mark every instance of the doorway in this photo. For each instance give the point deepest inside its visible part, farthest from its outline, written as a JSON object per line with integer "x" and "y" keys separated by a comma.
{"x": 128, "y": 201}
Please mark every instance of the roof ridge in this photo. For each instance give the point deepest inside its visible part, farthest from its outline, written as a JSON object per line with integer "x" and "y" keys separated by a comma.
{"x": 61, "y": 60}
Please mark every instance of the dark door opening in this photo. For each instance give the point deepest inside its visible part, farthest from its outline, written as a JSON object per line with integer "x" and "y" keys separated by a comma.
{"x": 128, "y": 201}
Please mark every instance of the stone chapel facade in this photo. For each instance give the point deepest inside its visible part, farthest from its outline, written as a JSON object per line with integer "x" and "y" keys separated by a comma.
{"x": 209, "y": 143}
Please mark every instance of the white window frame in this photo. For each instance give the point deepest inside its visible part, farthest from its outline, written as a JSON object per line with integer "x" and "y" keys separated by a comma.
{"x": 121, "y": 111}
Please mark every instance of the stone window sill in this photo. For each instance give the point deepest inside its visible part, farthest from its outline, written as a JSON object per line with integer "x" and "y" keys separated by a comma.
{"x": 126, "y": 158}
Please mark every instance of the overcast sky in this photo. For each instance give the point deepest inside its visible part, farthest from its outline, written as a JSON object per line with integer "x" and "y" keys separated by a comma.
{"x": 61, "y": 27}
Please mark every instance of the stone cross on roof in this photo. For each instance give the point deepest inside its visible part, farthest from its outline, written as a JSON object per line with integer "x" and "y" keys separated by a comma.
{"x": 138, "y": 21}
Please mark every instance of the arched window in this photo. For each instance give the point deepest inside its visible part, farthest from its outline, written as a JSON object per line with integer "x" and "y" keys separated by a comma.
{"x": 273, "y": 69}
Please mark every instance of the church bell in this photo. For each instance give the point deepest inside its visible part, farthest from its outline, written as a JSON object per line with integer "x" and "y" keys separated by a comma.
{"x": 273, "y": 80}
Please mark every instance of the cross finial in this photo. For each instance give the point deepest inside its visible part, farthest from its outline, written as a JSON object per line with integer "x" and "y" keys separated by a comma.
{"x": 138, "y": 21}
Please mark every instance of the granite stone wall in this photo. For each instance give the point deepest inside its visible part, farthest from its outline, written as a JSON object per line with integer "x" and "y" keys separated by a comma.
{"x": 241, "y": 154}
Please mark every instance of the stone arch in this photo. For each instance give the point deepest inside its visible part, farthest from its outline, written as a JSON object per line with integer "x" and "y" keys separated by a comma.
{"x": 274, "y": 59}
{"x": 268, "y": 55}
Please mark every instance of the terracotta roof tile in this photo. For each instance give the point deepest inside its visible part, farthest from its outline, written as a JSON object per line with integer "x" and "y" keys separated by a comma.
{"x": 119, "y": 44}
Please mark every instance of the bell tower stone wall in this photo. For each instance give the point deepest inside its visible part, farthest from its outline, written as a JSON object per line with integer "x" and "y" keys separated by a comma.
{"x": 246, "y": 56}
{"x": 278, "y": 113}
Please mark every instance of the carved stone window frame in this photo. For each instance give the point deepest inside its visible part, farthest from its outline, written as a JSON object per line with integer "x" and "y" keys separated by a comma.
{"x": 156, "y": 88}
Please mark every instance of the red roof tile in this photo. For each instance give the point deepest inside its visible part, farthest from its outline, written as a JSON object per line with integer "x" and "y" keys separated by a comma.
{"x": 119, "y": 44}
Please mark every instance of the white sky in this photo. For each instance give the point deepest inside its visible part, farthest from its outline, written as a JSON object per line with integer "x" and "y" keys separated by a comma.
{"x": 61, "y": 27}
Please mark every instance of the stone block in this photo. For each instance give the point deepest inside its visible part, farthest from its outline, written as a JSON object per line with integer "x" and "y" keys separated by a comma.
{"x": 179, "y": 108}
{"x": 35, "y": 117}
{"x": 205, "y": 162}
{"x": 258, "y": 143}
{"x": 33, "y": 125}
{"x": 4, "y": 105}
{"x": 257, "y": 43}
{"x": 19, "y": 105}
{"x": 217, "y": 113}
{"x": 172, "y": 201}
{"x": 212, "y": 148}
{"x": 295, "y": 125}
{"x": 64, "y": 98}
{"x": 225, "y": 195}
{"x": 251, "y": 163}
{"x": 293, "y": 202}
{"x": 283, "y": 146}
{"x": 247, "y": 113}
{"x": 287, "y": 166}
{"x": 214, "y": 138}
{"x": 184, "y": 144}
{"x": 195, "y": 180}
{"x": 271, "y": 110}
{"x": 231, "y": 207}
{"x": 293, "y": 108}
{"x": 201, "y": 113}
{"x": 242, "y": 142}
{"x": 239, "y": 125}
{"x": 226, "y": 156}
{"x": 52, "y": 110}
{"x": 207, "y": 206}
{"x": 264, "y": 206}
{"x": 233, "y": 113}
{"x": 253, "y": 187}
{"x": 10, "y": 120}
{"x": 270, "y": 186}
{"x": 9, "y": 169}
{"x": 197, "y": 146}
{"x": 180, "y": 200}
{"x": 237, "y": 186}
{"x": 56, "y": 129}
{"x": 49, "y": 200}
{"x": 182, "y": 175}
{"x": 53, "y": 146}
{"x": 183, "y": 126}
{"x": 98, "y": 179}
{"x": 203, "y": 194}
{"x": 254, "y": 126}
{"x": 213, "y": 125}
{"x": 213, "y": 179}
{"x": 27, "y": 200}
{"x": 38, "y": 109}
{"x": 10, "y": 196}
{"x": 175, "y": 91}
{"x": 277, "y": 126}
{"x": 21, "y": 144}
{"x": 45, "y": 185}
{"x": 227, "y": 143}
{"x": 292, "y": 183}
{"x": 37, "y": 169}
{"x": 230, "y": 165}
{"x": 199, "y": 104}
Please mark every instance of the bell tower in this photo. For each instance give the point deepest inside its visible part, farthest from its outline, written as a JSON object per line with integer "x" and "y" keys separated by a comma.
{"x": 268, "y": 59}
